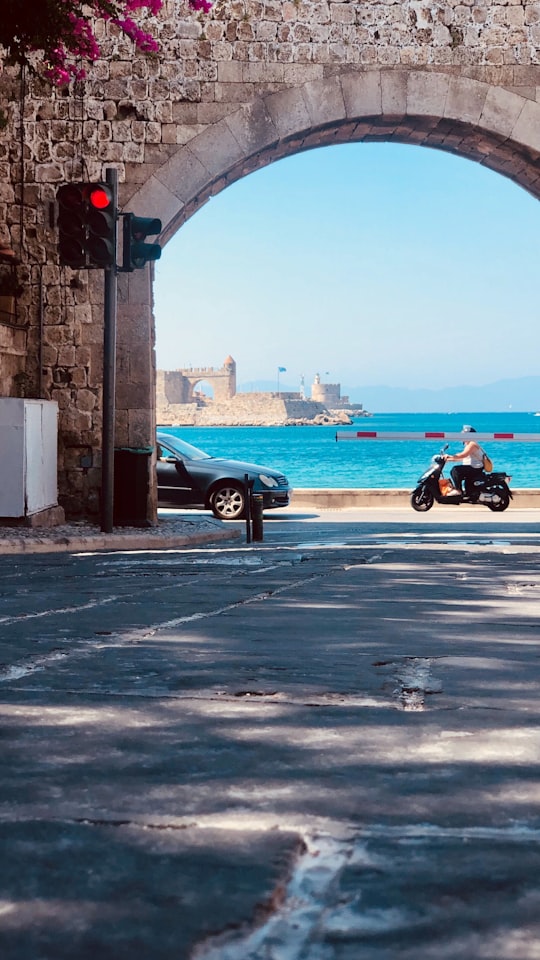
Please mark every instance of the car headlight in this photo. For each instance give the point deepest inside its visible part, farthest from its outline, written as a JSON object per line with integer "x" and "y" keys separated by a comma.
{"x": 268, "y": 481}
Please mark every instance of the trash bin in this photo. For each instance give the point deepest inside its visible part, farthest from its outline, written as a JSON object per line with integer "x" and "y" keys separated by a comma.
{"x": 131, "y": 486}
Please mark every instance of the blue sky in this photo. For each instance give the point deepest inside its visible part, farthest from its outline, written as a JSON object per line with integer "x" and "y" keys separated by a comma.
{"x": 368, "y": 263}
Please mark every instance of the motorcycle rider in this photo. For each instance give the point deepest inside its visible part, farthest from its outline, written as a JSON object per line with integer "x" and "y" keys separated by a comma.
{"x": 471, "y": 464}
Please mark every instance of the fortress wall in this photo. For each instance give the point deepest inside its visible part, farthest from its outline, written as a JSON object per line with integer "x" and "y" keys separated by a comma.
{"x": 171, "y": 387}
{"x": 299, "y": 409}
{"x": 243, "y": 409}
{"x": 237, "y": 412}
{"x": 173, "y": 415}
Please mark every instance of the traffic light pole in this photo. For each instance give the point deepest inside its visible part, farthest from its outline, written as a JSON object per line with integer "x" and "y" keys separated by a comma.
{"x": 109, "y": 377}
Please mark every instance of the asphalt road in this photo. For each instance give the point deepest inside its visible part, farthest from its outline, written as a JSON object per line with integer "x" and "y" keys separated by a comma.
{"x": 321, "y": 747}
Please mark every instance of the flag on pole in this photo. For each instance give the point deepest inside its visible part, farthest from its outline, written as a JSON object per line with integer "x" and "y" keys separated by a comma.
{"x": 282, "y": 369}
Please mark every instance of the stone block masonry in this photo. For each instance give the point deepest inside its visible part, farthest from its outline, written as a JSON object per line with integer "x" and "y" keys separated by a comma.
{"x": 229, "y": 93}
{"x": 178, "y": 404}
{"x": 246, "y": 409}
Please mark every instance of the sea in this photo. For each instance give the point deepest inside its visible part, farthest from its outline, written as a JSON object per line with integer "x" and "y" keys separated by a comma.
{"x": 311, "y": 457}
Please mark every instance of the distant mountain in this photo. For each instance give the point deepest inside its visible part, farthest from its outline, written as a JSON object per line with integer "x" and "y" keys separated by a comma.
{"x": 519, "y": 394}
{"x": 522, "y": 394}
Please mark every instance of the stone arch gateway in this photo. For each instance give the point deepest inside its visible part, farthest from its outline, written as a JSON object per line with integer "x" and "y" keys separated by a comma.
{"x": 230, "y": 93}
{"x": 482, "y": 122}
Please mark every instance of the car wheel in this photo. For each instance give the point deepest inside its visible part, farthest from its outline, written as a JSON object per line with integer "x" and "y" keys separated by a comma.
{"x": 228, "y": 501}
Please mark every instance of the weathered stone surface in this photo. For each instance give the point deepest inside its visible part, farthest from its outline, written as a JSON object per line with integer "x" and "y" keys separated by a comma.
{"x": 251, "y": 409}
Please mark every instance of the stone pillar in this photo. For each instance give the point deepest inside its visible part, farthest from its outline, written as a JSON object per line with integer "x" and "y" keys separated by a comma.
{"x": 136, "y": 380}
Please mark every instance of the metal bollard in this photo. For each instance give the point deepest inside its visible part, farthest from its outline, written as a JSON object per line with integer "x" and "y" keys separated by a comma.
{"x": 248, "y": 486}
{"x": 257, "y": 516}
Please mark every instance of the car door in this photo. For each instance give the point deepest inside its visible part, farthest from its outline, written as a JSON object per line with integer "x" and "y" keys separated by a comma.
{"x": 173, "y": 479}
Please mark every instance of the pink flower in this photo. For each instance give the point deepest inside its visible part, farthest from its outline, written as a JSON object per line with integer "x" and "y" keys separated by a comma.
{"x": 144, "y": 41}
{"x": 79, "y": 42}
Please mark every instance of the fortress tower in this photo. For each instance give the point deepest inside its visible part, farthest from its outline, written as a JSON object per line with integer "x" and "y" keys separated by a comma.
{"x": 327, "y": 393}
{"x": 178, "y": 386}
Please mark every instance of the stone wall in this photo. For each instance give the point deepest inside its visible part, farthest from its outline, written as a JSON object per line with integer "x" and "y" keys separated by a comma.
{"x": 253, "y": 409}
{"x": 229, "y": 93}
{"x": 13, "y": 361}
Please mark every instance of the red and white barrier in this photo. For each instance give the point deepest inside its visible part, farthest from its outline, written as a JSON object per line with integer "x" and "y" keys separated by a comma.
{"x": 436, "y": 435}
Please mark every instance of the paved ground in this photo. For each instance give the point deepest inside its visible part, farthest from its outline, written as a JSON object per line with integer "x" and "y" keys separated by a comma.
{"x": 177, "y": 528}
{"x": 322, "y": 747}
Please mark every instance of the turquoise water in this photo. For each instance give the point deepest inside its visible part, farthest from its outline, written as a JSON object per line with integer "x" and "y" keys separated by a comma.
{"x": 311, "y": 457}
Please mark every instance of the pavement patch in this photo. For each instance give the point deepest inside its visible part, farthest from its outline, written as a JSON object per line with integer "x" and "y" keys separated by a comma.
{"x": 31, "y": 665}
{"x": 439, "y": 893}
{"x": 118, "y": 890}
{"x": 411, "y": 681}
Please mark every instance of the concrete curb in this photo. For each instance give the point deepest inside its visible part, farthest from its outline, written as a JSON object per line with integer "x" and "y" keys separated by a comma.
{"x": 172, "y": 532}
{"x": 83, "y": 538}
{"x": 340, "y": 498}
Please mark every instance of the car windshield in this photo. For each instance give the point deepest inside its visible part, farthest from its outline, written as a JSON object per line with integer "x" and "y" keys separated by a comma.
{"x": 183, "y": 449}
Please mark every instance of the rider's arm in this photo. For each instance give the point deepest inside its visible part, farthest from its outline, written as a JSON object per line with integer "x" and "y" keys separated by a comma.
{"x": 466, "y": 452}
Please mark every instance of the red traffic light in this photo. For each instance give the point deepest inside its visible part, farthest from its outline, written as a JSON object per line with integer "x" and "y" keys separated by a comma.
{"x": 100, "y": 198}
{"x": 87, "y": 225}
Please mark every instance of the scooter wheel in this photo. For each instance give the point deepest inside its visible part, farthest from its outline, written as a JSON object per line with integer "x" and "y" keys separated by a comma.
{"x": 503, "y": 502}
{"x": 422, "y": 500}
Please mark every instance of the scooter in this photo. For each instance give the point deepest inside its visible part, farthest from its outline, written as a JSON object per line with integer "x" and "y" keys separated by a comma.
{"x": 490, "y": 489}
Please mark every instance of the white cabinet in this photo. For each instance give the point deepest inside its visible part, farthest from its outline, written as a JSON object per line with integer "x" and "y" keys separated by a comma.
{"x": 28, "y": 456}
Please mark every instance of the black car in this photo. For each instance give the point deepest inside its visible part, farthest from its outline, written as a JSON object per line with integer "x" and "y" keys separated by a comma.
{"x": 187, "y": 476}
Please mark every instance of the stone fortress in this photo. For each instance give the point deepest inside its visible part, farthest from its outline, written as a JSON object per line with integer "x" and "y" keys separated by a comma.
{"x": 180, "y": 403}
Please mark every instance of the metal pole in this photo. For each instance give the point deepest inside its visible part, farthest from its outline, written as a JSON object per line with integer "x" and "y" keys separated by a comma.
{"x": 109, "y": 377}
{"x": 40, "y": 356}
{"x": 247, "y": 486}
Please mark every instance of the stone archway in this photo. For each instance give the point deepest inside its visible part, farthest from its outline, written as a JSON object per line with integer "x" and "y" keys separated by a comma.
{"x": 228, "y": 94}
{"x": 485, "y": 123}
{"x": 180, "y": 386}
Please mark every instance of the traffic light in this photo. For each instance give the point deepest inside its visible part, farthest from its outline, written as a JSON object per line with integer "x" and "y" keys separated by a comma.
{"x": 86, "y": 225}
{"x": 137, "y": 253}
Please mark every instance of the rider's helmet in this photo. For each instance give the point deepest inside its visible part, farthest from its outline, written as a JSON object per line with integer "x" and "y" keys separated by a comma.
{"x": 466, "y": 428}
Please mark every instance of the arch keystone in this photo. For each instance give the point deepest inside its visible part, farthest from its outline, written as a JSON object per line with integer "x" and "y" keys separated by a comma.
{"x": 426, "y": 94}
{"x": 362, "y": 94}
{"x": 394, "y": 93}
